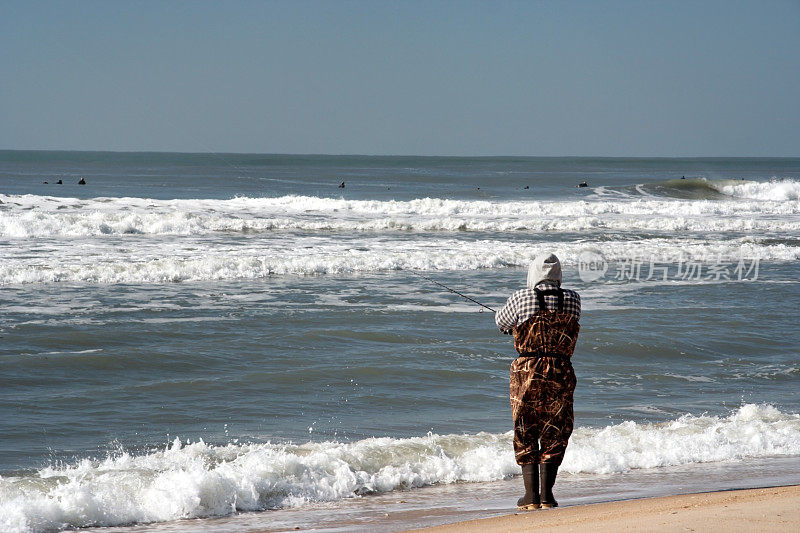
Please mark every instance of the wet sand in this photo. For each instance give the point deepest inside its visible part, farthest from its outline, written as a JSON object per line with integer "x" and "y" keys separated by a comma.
{"x": 772, "y": 509}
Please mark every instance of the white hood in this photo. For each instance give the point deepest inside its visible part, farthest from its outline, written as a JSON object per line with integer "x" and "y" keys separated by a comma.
{"x": 544, "y": 267}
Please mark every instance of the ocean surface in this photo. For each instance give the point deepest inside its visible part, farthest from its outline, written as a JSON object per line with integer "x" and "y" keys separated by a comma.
{"x": 228, "y": 342}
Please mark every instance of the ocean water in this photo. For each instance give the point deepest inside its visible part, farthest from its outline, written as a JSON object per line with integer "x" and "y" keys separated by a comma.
{"x": 234, "y": 342}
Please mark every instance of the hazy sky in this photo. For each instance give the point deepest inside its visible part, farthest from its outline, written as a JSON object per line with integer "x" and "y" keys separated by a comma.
{"x": 636, "y": 78}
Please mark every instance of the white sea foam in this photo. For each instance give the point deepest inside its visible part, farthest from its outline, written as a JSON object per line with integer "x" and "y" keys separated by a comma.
{"x": 198, "y": 480}
{"x": 46, "y": 217}
{"x": 775, "y": 190}
{"x": 163, "y": 261}
{"x": 135, "y": 240}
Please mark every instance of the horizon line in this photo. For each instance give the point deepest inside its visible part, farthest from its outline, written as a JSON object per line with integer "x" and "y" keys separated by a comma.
{"x": 452, "y": 156}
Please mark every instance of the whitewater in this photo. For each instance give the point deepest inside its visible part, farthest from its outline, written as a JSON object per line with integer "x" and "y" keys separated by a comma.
{"x": 27, "y": 216}
{"x": 196, "y": 480}
{"x": 256, "y": 237}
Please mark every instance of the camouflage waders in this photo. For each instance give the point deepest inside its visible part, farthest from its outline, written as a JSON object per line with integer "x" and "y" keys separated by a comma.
{"x": 542, "y": 384}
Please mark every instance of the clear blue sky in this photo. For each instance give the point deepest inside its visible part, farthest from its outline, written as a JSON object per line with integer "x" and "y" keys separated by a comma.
{"x": 614, "y": 78}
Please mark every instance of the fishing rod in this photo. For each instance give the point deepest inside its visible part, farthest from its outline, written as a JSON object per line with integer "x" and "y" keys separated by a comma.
{"x": 453, "y": 291}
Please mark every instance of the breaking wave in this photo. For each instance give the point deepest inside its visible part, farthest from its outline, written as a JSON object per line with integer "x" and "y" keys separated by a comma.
{"x": 783, "y": 190}
{"x": 28, "y": 216}
{"x": 775, "y": 190}
{"x": 190, "y": 480}
{"x": 137, "y": 240}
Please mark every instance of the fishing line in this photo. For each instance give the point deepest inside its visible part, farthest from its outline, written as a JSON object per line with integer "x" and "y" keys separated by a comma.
{"x": 453, "y": 291}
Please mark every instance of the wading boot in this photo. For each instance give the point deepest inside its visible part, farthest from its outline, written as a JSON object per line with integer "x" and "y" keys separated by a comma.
{"x": 548, "y": 473}
{"x": 530, "y": 478}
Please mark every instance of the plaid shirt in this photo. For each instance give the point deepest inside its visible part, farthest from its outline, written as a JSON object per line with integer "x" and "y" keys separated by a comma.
{"x": 522, "y": 304}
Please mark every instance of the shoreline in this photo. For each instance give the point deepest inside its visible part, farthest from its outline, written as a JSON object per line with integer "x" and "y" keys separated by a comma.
{"x": 769, "y": 509}
{"x": 445, "y": 507}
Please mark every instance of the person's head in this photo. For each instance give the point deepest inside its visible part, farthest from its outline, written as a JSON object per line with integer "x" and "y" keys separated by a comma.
{"x": 545, "y": 267}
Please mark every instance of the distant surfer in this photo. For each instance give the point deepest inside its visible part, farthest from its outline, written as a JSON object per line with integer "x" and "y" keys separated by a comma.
{"x": 683, "y": 177}
{"x": 82, "y": 182}
{"x": 341, "y": 185}
{"x": 526, "y": 187}
{"x": 59, "y": 182}
{"x": 582, "y": 184}
{"x": 544, "y": 321}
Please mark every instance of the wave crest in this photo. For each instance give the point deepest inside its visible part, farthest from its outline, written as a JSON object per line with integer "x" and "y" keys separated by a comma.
{"x": 775, "y": 190}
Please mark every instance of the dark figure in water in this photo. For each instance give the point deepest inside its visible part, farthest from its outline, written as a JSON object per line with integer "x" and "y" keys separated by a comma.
{"x": 683, "y": 177}
{"x": 59, "y": 182}
{"x": 44, "y": 182}
{"x": 544, "y": 321}
{"x": 582, "y": 184}
{"x": 82, "y": 182}
{"x": 341, "y": 185}
{"x": 526, "y": 187}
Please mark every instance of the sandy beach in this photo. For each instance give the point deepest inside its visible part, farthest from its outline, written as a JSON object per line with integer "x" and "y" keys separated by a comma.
{"x": 766, "y": 510}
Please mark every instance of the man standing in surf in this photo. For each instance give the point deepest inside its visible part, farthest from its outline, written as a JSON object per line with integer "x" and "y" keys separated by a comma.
{"x": 543, "y": 318}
